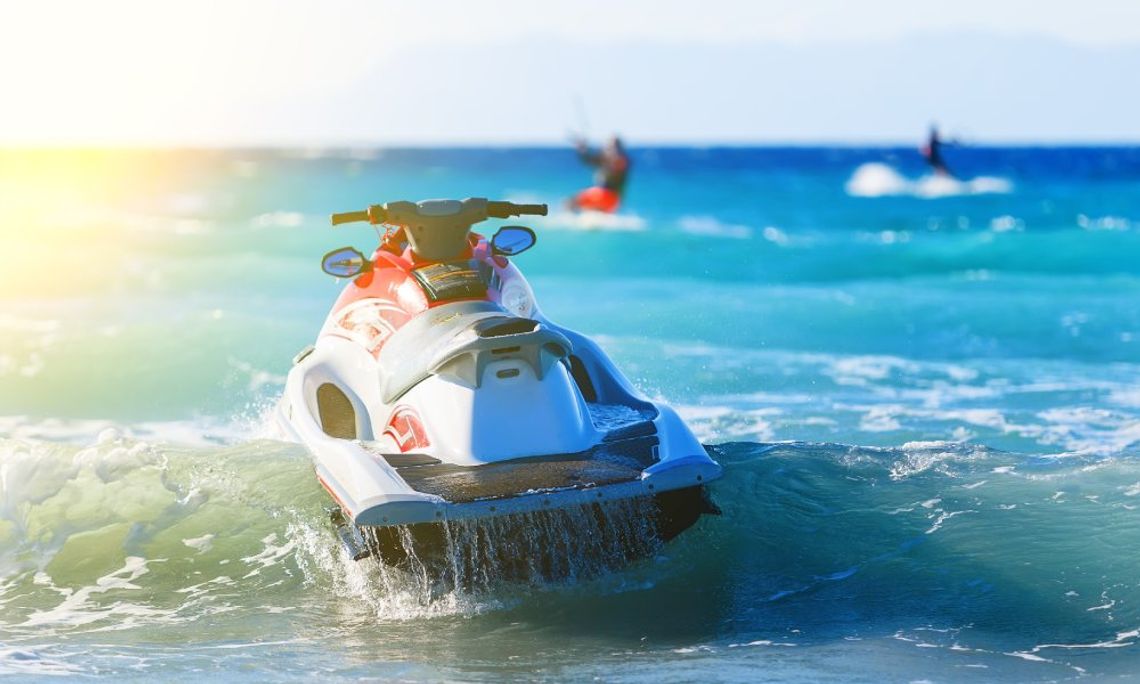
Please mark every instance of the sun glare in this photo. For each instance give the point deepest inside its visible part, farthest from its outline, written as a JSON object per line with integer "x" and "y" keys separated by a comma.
{"x": 68, "y": 217}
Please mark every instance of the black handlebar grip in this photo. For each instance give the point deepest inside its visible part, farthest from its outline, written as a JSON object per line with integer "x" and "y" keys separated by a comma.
{"x": 498, "y": 209}
{"x": 504, "y": 210}
{"x": 349, "y": 217}
{"x": 531, "y": 209}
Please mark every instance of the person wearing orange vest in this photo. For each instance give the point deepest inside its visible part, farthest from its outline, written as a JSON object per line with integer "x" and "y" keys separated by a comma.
{"x": 612, "y": 165}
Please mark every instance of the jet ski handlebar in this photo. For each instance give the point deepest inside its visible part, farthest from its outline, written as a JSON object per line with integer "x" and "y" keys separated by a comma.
{"x": 471, "y": 210}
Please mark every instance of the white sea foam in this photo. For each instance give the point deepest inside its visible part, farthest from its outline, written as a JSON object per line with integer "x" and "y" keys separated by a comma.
{"x": 157, "y": 223}
{"x": 762, "y": 642}
{"x": 200, "y": 544}
{"x": 258, "y": 378}
{"x": 710, "y": 226}
{"x": 32, "y": 662}
{"x": 880, "y": 419}
{"x": 77, "y": 608}
{"x": 977, "y": 399}
{"x": 1087, "y": 430}
{"x": 278, "y": 219}
{"x": 188, "y": 203}
{"x": 16, "y": 324}
{"x": 1129, "y": 397}
{"x": 721, "y": 422}
{"x": 920, "y": 457}
{"x": 1006, "y": 223}
{"x": 270, "y": 555}
{"x": 775, "y": 235}
{"x": 595, "y": 220}
{"x": 1103, "y": 223}
{"x": 1078, "y": 430}
{"x": 858, "y": 370}
{"x": 928, "y": 445}
{"x": 876, "y": 179}
{"x": 194, "y": 432}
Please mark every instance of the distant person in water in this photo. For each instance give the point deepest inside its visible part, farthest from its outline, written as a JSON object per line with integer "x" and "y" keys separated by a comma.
{"x": 612, "y": 163}
{"x": 932, "y": 152}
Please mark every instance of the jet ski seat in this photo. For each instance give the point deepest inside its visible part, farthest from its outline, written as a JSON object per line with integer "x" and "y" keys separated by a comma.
{"x": 457, "y": 341}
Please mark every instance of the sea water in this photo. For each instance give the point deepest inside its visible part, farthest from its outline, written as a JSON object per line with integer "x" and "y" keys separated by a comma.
{"x": 925, "y": 393}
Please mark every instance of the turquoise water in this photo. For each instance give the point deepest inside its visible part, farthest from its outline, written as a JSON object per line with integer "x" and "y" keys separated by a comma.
{"x": 926, "y": 396}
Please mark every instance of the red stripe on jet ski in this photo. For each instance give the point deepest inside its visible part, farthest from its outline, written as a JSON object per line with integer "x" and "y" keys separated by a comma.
{"x": 407, "y": 430}
{"x": 346, "y": 509}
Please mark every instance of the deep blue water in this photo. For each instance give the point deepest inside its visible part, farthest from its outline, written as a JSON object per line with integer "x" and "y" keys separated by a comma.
{"x": 925, "y": 393}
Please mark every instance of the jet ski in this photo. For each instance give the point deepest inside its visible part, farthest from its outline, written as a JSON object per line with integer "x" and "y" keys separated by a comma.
{"x": 437, "y": 394}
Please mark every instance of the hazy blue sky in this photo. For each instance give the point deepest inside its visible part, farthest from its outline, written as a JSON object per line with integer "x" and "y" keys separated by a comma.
{"x": 354, "y": 72}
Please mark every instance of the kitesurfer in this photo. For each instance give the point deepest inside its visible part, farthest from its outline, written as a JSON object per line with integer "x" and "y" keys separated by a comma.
{"x": 612, "y": 163}
{"x": 932, "y": 152}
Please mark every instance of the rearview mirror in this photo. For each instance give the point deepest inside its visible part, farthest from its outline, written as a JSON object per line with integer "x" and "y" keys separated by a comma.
{"x": 512, "y": 240}
{"x": 345, "y": 262}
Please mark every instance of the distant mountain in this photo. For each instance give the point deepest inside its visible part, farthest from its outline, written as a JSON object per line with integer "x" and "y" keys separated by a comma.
{"x": 983, "y": 86}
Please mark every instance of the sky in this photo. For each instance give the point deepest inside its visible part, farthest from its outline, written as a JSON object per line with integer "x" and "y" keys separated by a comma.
{"x": 356, "y": 72}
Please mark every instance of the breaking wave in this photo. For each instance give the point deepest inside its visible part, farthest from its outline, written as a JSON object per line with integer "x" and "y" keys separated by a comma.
{"x": 1007, "y": 554}
{"x": 126, "y": 517}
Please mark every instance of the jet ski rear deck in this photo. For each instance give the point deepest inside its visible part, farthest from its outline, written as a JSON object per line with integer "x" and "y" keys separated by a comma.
{"x": 540, "y": 483}
{"x": 457, "y": 484}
